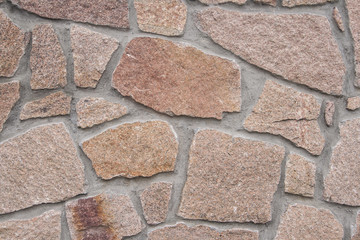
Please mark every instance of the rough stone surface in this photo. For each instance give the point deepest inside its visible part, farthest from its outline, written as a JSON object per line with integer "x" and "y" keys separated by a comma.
{"x": 178, "y": 79}
{"x": 294, "y": 3}
{"x": 269, "y": 2}
{"x": 308, "y": 223}
{"x": 133, "y": 149}
{"x": 166, "y": 17}
{"x": 240, "y": 2}
{"x": 356, "y": 235}
{"x": 300, "y": 176}
{"x": 105, "y": 216}
{"x": 353, "y": 103}
{"x": 47, "y": 60}
{"x": 155, "y": 202}
{"x": 353, "y": 8}
{"x": 298, "y": 47}
{"x": 9, "y": 95}
{"x": 40, "y": 166}
{"x": 329, "y": 113}
{"x": 56, "y": 104}
{"x": 46, "y": 226}
{"x": 244, "y": 172}
{"x": 91, "y": 52}
{"x": 338, "y": 19}
{"x": 114, "y": 13}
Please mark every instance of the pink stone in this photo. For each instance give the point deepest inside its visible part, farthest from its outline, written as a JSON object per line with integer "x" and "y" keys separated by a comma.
{"x": 240, "y": 2}
{"x": 338, "y": 19}
{"x": 329, "y": 113}
{"x": 294, "y": 3}
{"x": 353, "y": 103}
{"x": 269, "y": 2}
{"x": 9, "y": 95}
{"x": 353, "y": 8}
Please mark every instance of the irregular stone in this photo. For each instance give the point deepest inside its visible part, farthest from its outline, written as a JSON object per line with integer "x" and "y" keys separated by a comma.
{"x": 240, "y": 2}
{"x": 105, "y": 216}
{"x": 178, "y": 79}
{"x": 165, "y": 17}
{"x": 300, "y": 176}
{"x": 9, "y": 95}
{"x": 45, "y": 226}
{"x": 298, "y": 47}
{"x": 269, "y": 2}
{"x": 200, "y": 232}
{"x": 91, "y": 52}
{"x": 244, "y": 172}
{"x": 13, "y": 42}
{"x": 294, "y": 3}
{"x": 93, "y": 111}
{"x": 114, "y": 13}
{"x": 329, "y": 113}
{"x": 133, "y": 149}
{"x": 40, "y": 166}
{"x": 284, "y": 111}
{"x": 302, "y": 222}
{"x": 56, "y": 104}
{"x": 353, "y": 8}
{"x": 155, "y": 202}
{"x": 338, "y": 19}
{"x": 353, "y": 103}
{"x": 356, "y": 235}
{"x": 47, "y": 60}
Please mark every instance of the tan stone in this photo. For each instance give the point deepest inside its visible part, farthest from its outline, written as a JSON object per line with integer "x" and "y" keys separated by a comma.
{"x": 230, "y": 179}
{"x": 40, "y": 166}
{"x": 133, "y": 149}
{"x": 114, "y": 13}
{"x": 165, "y": 17}
{"x": 356, "y": 235}
{"x": 91, "y": 52}
{"x": 294, "y": 3}
{"x": 284, "y": 111}
{"x": 155, "y": 202}
{"x": 269, "y": 2}
{"x": 178, "y": 79}
{"x": 298, "y": 47}
{"x": 353, "y": 103}
{"x": 338, "y": 19}
{"x": 353, "y": 8}
{"x": 329, "y": 113}
{"x": 105, "y": 216}
{"x": 46, "y": 226}
{"x": 301, "y": 222}
{"x": 13, "y": 42}
{"x": 9, "y": 95}
{"x": 56, "y": 104}
{"x": 240, "y": 2}
{"x": 47, "y": 60}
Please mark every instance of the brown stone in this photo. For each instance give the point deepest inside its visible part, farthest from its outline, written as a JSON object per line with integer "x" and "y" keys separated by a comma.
{"x": 308, "y": 223}
{"x": 133, "y": 149}
{"x": 114, "y": 13}
{"x": 40, "y": 166}
{"x": 269, "y": 2}
{"x": 105, "y": 216}
{"x": 230, "y": 179}
{"x": 353, "y": 103}
{"x": 165, "y": 17}
{"x": 178, "y": 79}
{"x": 329, "y": 113}
{"x": 240, "y": 2}
{"x": 353, "y": 8}
{"x": 155, "y": 202}
{"x": 45, "y": 226}
{"x": 338, "y": 19}
{"x": 284, "y": 111}
{"x": 294, "y": 3}
{"x": 91, "y": 52}
{"x": 356, "y": 235}
{"x": 298, "y": 47}
{"x": 56, "y": 104}
{"x": 13, "y": 42}
{"x": 47, "y": 60}
{"x": 9, "y": 95}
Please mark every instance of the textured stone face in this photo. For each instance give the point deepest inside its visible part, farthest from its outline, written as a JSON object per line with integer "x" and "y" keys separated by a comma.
{"x": 284, "y": 111}
{"x": 114, "y": 13}
{"x": 298, "y": 47}
{"x": 240, "y": 2}
{"x": 353, "y": 8}
{"x": 230, "y": 179}
{"x": 161, "y": 16}
{"x": 91, "y": 52}
{"x": 353, "y": 103}
{"x": 329, "y": 113}
{"x": 177, "y": 79}
{"x": 132, "y": 150}
{"x": 294, "y": 3}
{"x": 308, "y": 223}
{"x": 269, "y": 2}
{"x": 55, "y": 104}
{"x": 338, "y": 19}
{"x": 9, "y": 95}
{"x": 105, "y": 216}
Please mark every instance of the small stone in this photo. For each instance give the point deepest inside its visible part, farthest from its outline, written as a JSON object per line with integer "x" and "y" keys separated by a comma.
{"x": 9, "y": 95}
{"x": 244, "y": 172}
{"x": 353, "y": 8}
{"x": 165, "y": 17}
{"x": 155, "y": 202}
{"x": 40, "y": 166}
{"x": 298, "y": 47}
{"x": 329, "y": 113}
{"x": 353, "y": 103}
{"x": 269, "y": 2}
{"x": 133, "y": 149}
{"x": 300, "y": 176}
{"x": 56, "y": 104}
{"x": 302, "y": 222}
{"x": 178, "y": 79}
{"x": 91, "y": 52}
{"x": 240, "y": 2}
{"x": 13, "y": 42}
{"x": 356, "y": 235}
{"x": 45, "y": 226}
{"x": 294, "y": 3}
{"x": 93, "y": 111}
{"x": 105, "y": 216}
{"x": 338, "y": 19}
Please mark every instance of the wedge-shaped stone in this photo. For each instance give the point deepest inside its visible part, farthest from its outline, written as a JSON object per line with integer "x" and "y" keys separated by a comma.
{"x": 230, "y": 179}
{"x": 356, "y": 234}
{"x": 353, "y": 8}
{"x": 133, "y": 149}
{"x": 9, "y": 95}
{"x": 298, "y": 47}
{"x": 294, "y": 3}
{"x": 284, "y": 111}
{"x": 338, "y": 19}
{"x": 240, "y": 2}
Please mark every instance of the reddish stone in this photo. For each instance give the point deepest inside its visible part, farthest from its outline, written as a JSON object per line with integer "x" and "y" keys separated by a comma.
{"x": 9, "y": 95}
{"x": 353, "y": 8}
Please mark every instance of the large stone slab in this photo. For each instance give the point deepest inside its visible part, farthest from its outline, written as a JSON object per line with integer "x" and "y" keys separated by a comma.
{"x": 353, "y": 8}
{"x": 9, "y": 95}
{"x": 294, "y": 3}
